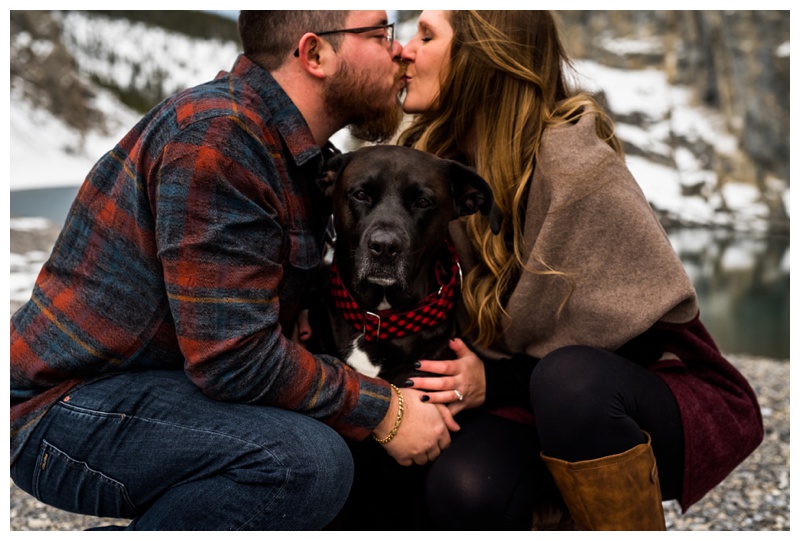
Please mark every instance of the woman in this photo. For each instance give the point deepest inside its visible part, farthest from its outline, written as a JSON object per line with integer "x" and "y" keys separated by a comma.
{"x": 588, "y": 361}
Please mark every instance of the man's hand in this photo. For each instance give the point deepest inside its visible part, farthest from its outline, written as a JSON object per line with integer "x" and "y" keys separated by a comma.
{"x": 424, "y": 432}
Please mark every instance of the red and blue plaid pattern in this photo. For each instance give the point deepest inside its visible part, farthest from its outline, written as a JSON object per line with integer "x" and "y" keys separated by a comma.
{"x": 388, "y": 324}
{"x": 190, "y": 246}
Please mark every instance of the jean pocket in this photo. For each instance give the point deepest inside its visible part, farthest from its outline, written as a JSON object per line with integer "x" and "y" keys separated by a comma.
{"x": 73, "y": 486}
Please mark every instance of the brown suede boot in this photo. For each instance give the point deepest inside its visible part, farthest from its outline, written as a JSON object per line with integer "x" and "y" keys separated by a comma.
{"x": 617, "y": 492}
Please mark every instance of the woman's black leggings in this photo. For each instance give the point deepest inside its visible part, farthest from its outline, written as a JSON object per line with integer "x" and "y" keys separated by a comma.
{"x": 588, "y": 404}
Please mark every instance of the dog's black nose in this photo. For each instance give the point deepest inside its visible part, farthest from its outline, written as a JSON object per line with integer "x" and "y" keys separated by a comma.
{"x": 384, "y": 245}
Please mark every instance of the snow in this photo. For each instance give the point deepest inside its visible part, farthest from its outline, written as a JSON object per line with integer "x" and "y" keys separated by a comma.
{"x": 170, "y": 57}
{"x": 644, "y": 91}
{"x": 29, "y": 224}
{"x": 24, "y": 271}
{"x": 44, "y": 152}
{"x": 622, "y": 46}
{"x": 738, "y": 258}
{"x": 661, "y": 186}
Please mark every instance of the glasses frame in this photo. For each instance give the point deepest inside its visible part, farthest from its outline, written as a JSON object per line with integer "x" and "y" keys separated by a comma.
{"x": 360, "y": 30}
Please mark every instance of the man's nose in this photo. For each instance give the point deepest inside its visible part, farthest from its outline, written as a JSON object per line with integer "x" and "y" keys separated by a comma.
{"x": 397, "y": 51}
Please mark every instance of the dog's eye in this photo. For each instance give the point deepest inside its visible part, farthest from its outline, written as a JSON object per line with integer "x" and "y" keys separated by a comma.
{"x": 360, "y": 195}
{"x": 422, "y": 203}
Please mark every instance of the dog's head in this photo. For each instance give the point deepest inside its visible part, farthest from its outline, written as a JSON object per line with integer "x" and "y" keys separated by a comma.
{"x": 391, "y": 209}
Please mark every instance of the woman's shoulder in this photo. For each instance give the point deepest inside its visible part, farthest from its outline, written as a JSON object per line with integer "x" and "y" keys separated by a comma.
{"x": 573, "y": 162}
{"x": 574, "y": 144}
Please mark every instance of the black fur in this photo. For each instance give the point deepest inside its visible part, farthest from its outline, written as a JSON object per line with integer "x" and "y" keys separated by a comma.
{"x": 391, "y": 208}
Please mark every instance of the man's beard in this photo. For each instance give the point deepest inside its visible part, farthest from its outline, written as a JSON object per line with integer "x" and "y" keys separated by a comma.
{"x": 350, "y": 95}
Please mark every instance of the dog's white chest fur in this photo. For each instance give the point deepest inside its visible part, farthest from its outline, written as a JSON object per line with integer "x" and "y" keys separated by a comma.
{"x": 361, "y": 362}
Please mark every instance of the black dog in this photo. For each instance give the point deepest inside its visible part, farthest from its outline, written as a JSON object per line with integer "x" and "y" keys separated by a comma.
{"x": 395, "y": 277}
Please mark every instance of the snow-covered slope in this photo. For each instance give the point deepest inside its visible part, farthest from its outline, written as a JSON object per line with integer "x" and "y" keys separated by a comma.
{"x": 46, "y": 152}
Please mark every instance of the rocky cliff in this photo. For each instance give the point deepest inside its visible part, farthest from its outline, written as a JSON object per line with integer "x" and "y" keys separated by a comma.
{"x": 734, "y": 62}
{"x": 731, "y": 66}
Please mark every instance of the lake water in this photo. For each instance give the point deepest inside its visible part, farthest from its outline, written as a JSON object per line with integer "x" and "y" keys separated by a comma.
{"x": 742, "y": 281}
{"x": 742, "y": 284}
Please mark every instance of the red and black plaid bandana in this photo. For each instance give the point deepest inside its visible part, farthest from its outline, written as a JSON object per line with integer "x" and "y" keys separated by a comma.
{"x": 386, "y": 324}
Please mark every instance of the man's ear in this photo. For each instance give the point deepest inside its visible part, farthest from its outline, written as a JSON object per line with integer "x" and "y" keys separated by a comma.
{"x": 331, "y": 168}
{"x": 309, "y": 49}
{"x": 473, "y": 194}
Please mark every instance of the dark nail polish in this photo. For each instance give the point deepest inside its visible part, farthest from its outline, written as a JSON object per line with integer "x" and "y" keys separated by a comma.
{"x": 409, "y": 383}
{"x": 417, "y": 364}
{"x": 425, "y": 398}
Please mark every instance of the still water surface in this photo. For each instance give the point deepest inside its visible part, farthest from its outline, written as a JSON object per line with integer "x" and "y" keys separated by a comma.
{"x": 742, "y": 282}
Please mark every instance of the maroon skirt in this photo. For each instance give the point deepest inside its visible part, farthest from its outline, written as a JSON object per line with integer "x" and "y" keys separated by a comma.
{"x": 722, "y": 422}
{"x": 721, "y": 417}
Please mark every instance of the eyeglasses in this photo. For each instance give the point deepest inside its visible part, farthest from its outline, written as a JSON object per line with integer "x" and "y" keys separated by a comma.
{"x": 389, "y": 35}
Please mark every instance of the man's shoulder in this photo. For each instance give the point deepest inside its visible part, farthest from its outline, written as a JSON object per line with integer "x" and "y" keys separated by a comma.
{"x": 226, "y": 96}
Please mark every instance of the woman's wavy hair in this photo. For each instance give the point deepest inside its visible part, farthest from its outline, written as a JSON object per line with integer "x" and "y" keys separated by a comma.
{"x": 506, "y": 84}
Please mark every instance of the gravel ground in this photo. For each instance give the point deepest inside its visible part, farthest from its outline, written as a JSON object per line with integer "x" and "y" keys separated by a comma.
{"x": 755, "y": 497}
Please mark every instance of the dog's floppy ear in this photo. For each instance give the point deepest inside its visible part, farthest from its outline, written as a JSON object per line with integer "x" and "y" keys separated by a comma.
{"x": 473, "y": 194}
{"x": 331, "y": 168}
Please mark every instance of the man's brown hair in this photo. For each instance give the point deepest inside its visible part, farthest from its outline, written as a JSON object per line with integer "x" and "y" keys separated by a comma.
{"x": 268, "y": 37}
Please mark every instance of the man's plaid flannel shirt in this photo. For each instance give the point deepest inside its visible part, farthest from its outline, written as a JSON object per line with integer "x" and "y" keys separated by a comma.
{"x": 190, "y": 246}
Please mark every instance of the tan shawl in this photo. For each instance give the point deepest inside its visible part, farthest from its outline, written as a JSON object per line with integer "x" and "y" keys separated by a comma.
{"x": 587, "y": 217}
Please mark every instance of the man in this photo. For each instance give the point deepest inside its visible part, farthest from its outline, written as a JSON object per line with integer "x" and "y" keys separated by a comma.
{"x": 152, "y": 377}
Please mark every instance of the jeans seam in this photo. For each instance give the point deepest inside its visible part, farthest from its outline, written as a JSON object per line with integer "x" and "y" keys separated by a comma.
{"x": 121, "y": 416}
{"x": 96, "y": 413}
{"x": 266, "y": 505}
{"x": 45, "y": 445}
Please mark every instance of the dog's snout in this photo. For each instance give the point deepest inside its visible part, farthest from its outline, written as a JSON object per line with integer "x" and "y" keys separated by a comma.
{"x": 384, "y": 245}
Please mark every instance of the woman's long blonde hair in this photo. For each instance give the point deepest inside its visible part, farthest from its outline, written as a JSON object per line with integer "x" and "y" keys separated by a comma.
{"x": 505, "y": 85}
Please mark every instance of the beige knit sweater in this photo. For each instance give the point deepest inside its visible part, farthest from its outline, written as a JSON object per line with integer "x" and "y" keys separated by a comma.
{"x": 587, "y": 217}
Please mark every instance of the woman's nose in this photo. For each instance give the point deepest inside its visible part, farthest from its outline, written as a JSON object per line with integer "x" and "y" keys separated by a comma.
{"x": 408, "y": 52}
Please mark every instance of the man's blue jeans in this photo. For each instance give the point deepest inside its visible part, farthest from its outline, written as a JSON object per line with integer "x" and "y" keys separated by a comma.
{"x": 151, "y": 447}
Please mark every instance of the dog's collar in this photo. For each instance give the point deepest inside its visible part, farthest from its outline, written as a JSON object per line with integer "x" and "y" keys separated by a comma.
{"x": 387, "y": 324}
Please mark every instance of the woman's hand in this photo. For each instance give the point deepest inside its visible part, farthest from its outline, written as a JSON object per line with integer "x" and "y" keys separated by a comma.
{"x": 424, "y": 431}
{"x": 465, "y": 374}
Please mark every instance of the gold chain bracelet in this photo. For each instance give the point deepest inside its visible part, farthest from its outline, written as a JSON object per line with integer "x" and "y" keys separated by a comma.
{"x": 397, "y": 421}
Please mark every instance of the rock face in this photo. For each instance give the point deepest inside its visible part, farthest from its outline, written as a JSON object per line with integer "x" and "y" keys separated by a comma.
{"x": 732, "y": 63}
{"x": 45, "y": 73}
{"x": 736, "y": 62}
